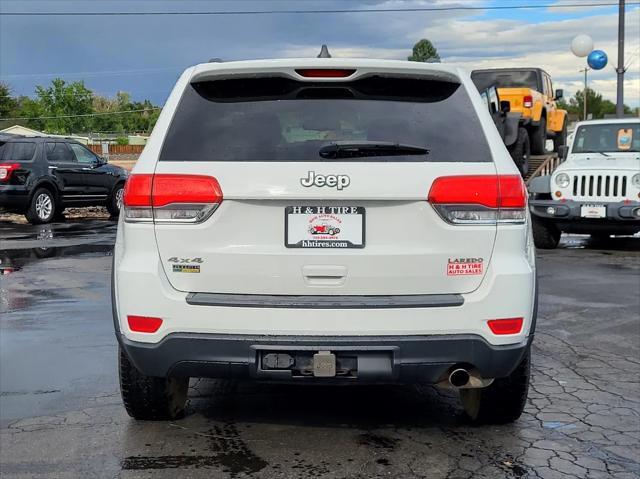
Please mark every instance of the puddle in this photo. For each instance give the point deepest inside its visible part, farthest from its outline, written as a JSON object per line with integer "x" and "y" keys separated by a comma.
{"x": 6, "y": 269}
{"x": 616, "y": 243}
{"x": 55, "y": 230}
{"x": 14, "y": 260}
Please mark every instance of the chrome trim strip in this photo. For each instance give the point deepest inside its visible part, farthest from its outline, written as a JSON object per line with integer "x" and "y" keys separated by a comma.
{"x": 325, "y": 301}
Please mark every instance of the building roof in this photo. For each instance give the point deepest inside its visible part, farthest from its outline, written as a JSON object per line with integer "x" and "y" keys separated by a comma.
{"x": 25, "y": 131}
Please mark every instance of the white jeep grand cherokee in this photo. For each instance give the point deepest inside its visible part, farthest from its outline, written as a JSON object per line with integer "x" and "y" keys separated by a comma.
{"x": 596, "y": 190}
{"x": 325, "y": 221}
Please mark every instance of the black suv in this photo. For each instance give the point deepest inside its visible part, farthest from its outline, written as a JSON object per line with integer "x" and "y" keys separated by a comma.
{"x": 41, "y": 176}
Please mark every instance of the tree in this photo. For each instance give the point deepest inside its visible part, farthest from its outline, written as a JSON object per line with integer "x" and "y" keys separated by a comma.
{"x": 73, "y": 106}
{"x": 62, "y": 100}
{"x": 30, "y": 108}
{"x": 596, "y": 105}
{"x": 106, "y": 123}
{"x": 424, "y": 51}
{"x": 8, "y": 104}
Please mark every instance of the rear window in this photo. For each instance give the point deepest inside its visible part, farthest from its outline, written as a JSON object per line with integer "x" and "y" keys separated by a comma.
{"x": 58, "y": 152}
{"x": 280, "y": 119}
{"x": 506, "y": 79}
{"x": 17, "y": 151}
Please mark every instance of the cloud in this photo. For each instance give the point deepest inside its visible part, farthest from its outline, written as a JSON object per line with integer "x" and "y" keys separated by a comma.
{"x": 158, "y": 48}
{"x": 495, "y": 43}
{"x": 572, "y": 10}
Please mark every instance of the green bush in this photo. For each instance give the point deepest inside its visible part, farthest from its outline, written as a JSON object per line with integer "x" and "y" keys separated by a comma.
{"x": 122, "y": 140}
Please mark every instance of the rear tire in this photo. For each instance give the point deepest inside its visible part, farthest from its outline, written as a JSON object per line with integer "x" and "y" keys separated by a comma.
{"x": 520, "y": 151}
{"x": 546, "y": 235}
{"x": 560, "y": 138}
{"x": 42, "y": 208}
{"x": 115, "y": 200}
{"x": 149, "y": 398}
{"x": 501, "y": 402}
{"x": 539, "y": 138}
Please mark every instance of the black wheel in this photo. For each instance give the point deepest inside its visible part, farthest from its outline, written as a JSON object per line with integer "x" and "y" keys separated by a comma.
{"x": 560, "y": 139}
{"x": 501, "y": 402}
{"x": 546, "y": 235}
{"x": 539, "y": 138}
{"x": 149, "y": 398}
{"x": 115, "y": 201}
{"x": 42, "y": 208}
{"x": 520, "y": 151}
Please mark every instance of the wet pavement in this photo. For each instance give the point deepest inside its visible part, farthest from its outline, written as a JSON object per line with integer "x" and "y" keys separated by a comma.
{"x": 61, "y": 414}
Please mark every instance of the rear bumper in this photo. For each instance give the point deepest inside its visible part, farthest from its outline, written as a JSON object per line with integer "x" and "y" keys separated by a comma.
{"x": 378, "y": 359}
{"x": 620, "y": 216}
{"x": 14, "y": 198}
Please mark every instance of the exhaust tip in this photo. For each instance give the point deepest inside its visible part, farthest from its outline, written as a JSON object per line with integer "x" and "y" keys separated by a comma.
{"x": 459, "y": 378}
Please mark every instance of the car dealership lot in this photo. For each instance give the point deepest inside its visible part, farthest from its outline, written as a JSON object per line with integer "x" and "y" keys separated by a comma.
{"x": 61, "y": 413}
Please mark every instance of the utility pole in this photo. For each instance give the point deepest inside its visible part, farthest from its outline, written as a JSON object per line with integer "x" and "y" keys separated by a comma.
{"x": 620, "y": 70}
{"x": 584, "y": 94}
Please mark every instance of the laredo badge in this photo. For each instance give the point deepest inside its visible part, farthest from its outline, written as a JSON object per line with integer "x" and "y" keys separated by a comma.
{"x": 464, "y": 266}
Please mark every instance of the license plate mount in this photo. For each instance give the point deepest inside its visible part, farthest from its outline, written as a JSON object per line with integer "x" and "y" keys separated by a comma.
{"x": 593, "y": 211}
{"x": 339, "y": 227}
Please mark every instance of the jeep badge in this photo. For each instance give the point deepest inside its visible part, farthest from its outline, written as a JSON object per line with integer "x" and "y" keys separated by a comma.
{"x": 332, "y": 181}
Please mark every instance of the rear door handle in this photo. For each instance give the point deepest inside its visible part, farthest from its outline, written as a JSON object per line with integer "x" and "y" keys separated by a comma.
{"x": 324, "y": 275}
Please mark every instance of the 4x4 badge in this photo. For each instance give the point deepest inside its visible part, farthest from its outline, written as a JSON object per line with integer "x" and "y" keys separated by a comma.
{"x": 332, "y": 181}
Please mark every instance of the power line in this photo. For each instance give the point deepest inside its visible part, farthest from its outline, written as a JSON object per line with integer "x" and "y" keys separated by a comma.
{"x": 80, "y": 115}
{"x": 327, "y": 11}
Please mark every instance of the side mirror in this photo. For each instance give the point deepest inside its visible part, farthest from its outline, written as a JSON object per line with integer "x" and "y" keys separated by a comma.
{"x": 563, "y": 152}
{"x": 505, "y": 106}
{"x": 559, "y": 93}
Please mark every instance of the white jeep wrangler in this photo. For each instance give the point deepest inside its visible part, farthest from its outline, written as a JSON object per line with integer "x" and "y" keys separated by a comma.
{"x": 596, "y": 190}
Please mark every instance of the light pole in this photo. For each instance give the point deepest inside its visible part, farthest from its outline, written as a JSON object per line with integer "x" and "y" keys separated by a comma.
{"x": 620, "y": 69}
{"x": 581, "y": 46}
{"x": 584, "y": 93}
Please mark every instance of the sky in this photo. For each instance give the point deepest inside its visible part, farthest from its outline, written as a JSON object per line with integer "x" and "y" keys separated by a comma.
{"x": 144, "y": 55}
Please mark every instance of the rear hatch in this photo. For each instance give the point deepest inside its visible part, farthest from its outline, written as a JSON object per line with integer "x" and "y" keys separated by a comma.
{"x": 325, "y": 186}
{"x": 519, "y": 87}
{"x": 520, "y": 99}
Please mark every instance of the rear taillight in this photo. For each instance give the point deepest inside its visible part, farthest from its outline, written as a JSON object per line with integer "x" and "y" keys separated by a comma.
{"x": 481, "y": 199}
{"x": 144, "y": 324}
{"x": 505, "y": 326}
{"x": 166, "y": 198}
{"x": 7, "y": 169}
{"x": 527, "y": 101}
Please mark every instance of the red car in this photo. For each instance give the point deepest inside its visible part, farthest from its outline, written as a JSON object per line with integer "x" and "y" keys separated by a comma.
{"x": 323, "y": 230}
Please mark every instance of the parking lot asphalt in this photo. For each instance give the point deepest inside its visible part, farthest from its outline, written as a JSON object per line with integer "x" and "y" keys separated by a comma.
{"x": 61, "y": 414}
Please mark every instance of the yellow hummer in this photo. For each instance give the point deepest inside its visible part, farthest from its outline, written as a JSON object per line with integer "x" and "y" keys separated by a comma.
{"x": 529, "y": 92}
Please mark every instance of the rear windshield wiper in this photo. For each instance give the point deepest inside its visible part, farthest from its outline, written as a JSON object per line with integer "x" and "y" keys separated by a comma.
{"x": 359, "y": 149}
